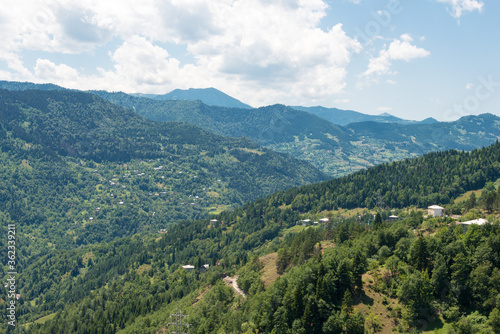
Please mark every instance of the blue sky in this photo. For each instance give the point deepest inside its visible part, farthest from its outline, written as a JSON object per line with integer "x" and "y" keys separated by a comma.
{"x": 410, "y": 58}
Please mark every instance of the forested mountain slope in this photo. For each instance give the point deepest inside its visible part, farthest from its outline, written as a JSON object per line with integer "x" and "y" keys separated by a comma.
{"x": 345, "y": 117}
{"x": 77, "y": 169}
{"x": 336, "y": 150}
{"x": 132, "y": 285}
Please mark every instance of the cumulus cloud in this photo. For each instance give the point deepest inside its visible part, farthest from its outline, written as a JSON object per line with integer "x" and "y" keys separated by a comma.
{"x": 46, "y": 70}
{"x": 458, "y": 7}
{"x": 280, "y": 47}
{"x": 399, "y": 49}
{"x": 273, "y": 47}
{"x": 141, "y": 62}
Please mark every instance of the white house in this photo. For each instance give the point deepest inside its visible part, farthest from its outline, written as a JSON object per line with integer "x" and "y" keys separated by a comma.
{"x": 435, "y": 211}
{"x": 465, "y": 225}
{"x": 323, "y": 220}
{"x": 306, "y": 221}
{"x": 188, "y": 267}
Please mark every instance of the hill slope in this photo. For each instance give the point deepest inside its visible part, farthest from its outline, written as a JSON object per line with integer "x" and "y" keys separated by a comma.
{"x": 137, "y": 282}
{"x": 345, "y": 117}
{"x": 334, "y": 149}
{"x": 101, "y": 171}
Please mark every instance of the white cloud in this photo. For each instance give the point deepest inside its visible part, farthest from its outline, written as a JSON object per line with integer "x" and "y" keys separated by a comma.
{"x": 47, "y": 71}
{"x": 469, "y": 86}
{"x": 245, "y": 48}
{"x": 399, "y": 49}
{"x": 458, "y": 7}
{"x": 140, "y": 62}
{"x": 384, "y": 109}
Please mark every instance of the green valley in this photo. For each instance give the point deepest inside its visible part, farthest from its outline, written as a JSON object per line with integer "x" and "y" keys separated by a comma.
{"x": 355, "y": 275}
{"x": 336, "y": 150}
{"x": 78, "y": 170}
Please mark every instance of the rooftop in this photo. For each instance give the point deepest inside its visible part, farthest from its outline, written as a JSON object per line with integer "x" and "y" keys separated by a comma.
{"x": 479, "y": 221}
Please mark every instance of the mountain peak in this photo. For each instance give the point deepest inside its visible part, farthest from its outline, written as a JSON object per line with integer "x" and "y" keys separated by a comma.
{"x": 384, "y": 114}
{"x": 209, "y": 96}
{"x": 429, "y": 120}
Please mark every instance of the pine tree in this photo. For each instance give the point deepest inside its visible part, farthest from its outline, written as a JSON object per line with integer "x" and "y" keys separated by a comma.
{"x": 377, "y": 223}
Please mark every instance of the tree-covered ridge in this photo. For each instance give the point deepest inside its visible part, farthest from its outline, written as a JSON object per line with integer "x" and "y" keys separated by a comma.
{"x": 438, "y": 177}
{"x": 336, "y": 150}
{"x": 449, "y": 277}
{"x": 267, "y": 125}
{"x": 77, "y": 169}
{"x": 132, "y": 285}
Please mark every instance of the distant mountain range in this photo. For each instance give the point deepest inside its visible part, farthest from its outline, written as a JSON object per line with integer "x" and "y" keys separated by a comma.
{"x": 348, "y": 142}
{"x": 334, "y": 149}
{"x": 344, "y": 117}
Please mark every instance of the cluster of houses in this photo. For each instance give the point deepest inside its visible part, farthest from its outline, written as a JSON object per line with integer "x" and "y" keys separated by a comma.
{"x": 203, "y": 268}
{"x": 308, "y": 221}
{"x": 438, "y": 211}
{"x": 432, "y": 211}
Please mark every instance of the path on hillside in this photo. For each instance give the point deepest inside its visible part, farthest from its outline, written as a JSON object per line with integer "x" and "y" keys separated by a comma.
{"x": 233, "y": 281}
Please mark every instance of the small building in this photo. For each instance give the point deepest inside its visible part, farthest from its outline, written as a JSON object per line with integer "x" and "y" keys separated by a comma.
{"x": 479, "y": 221}
{"x": 315, "y": 223}
{"x": 435, "y": 211}
{"x": 306, "y": 221}
{"x": 213, "y": 221}
{"x": 393, "y": 218}
{"x": 324, "y": 220}
{"x": 188, "y": 267}
{"x": 204, "y": 268}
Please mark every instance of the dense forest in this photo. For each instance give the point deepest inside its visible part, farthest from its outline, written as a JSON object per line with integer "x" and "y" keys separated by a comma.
{"x": 438, "y": 177}
{"x": 362, "y": 141}
{"x": 77, "y": 170}
{"x": 418, "y": 274}
{"x": 110, "y": 207}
